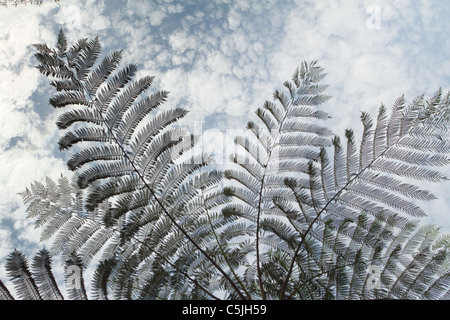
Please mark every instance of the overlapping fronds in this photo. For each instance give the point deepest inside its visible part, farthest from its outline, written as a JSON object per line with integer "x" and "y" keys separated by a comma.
{"x": 35, "y": 284}
{"x": 376, "y": 263}
{"x": 20, "y": 274}
{"x": 296, "y": 181}
{"x": 42, "y": 271}
{"x": 371, "y": 180}
{"x": 139, "y": 189}
{"x": 283, "y": 146}
{"x": 300, "y": 214}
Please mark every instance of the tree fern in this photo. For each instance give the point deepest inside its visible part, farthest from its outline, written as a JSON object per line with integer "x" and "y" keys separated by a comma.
{"x": 300, "y": 214}
{"x": 74, "y": 277}
{"x": 136, "y": 183}
{"x": 311, "y": 192}
{"x": 39, "y": 283}
{"x": 19, "y": 273}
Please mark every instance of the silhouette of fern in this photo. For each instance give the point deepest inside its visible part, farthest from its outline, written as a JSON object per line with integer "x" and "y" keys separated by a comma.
{"x": 299, "y": 215}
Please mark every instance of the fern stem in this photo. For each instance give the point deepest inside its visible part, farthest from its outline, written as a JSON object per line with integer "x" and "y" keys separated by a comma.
{"x": 172, "y": 219}
{"x": 258, "y": 218}
{"x": 405, "y": 271}
{"x": 172, "y": 265}
{"x": 283, "y": 289}
{"x": 221, "y": 247}
{"x": 303, "y": 237}
{"x": 227, "y": 262}
{"x": 4, "y": 292}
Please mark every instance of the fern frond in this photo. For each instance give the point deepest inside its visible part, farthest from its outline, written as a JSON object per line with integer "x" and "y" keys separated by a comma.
{"x": 4, "y": 292}
{"x": 74, "y": 277}
{"x": 142, "y": 146}
{"x": 101, "y": 278}
{"x": 83, "y": 134}
{"x": 97, "y": 77}
{"x": 86, "y": 58}
{"x": 291, "y": 124}
{"x": 137, "y": 112}
{"x": 43, "y": 276}
{"x": 77, "y": 115}
{"x": 286, "y": 223}
{"x": 20, "y": 275}
{"x": 73, "y": 97}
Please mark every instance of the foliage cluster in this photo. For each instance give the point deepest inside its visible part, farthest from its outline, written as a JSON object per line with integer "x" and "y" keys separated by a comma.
{"x": 299, "y": 215}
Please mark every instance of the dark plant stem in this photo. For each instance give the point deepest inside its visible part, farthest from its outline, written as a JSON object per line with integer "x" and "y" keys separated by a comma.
{"x": 158, "y": 201}
{"x": 172, "y": 265}
{"x": 303, "y": 237}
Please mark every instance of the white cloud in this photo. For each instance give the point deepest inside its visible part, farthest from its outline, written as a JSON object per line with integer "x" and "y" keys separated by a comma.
{"x": 100, "y": 23}
{"x": 181, "y": 41}
{"x": 7, "y": 245}
{"x": 25, "y": 138}
{"x": 218, "y": 62}
{"x": 156, "y": 17}
{"x": 149, "y": 10}
{"x": 234, "y": 19}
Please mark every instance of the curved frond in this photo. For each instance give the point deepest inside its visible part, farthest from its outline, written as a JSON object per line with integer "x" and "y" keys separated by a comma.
{"x": 42, "y": 272}
{"x": 298, "y": 215}
{"x": 4, "y": 293}
{"x": 20, "y": 275}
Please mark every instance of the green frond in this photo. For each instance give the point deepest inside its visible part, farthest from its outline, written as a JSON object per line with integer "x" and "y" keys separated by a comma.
{"x": 108, "y": 92}
{"x": 111, "y": 169}
{"x": 303, "y": 112}
{"x": 97, "y": 77}
{"x": 93, "y": 154}
{"x": 395, "y": 121}
{"x": 124, "y": 100}
{"x": 137, "y": 112}
{"x": 154, "y": 127}
{"x": 61, "y": 44}
{"x": 93, "y": 134}
{"x": 406, "y": 170}
{"x": 366, "y": 146}
{"x": 86, "y": 58}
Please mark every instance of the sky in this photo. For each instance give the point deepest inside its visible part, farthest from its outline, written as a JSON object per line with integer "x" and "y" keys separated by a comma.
{"x": 220, "y": 59}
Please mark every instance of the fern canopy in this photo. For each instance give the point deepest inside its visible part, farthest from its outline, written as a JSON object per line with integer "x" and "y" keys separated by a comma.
{"x": 299, "y": 214}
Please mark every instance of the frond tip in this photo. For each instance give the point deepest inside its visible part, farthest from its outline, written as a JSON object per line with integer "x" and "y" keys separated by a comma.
{"x": 43, "y": 275}
{"x": 20, "y": 274}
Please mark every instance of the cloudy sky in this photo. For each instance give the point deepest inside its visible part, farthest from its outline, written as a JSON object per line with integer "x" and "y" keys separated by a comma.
{"x": 220, "y": 59}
